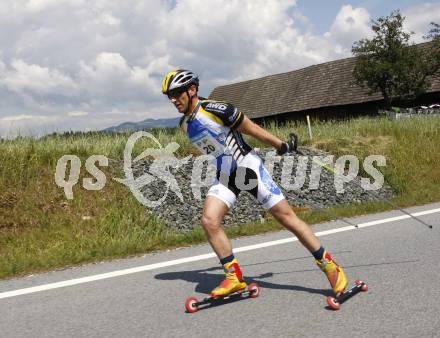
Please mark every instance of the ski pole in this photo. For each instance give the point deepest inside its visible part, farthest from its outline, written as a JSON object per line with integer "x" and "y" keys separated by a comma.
{"x": 330, "y": 169}
{"x": 333, "y": 215}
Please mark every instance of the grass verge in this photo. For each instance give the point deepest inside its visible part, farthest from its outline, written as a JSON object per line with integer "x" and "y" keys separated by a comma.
{"x": 41, "y": 230}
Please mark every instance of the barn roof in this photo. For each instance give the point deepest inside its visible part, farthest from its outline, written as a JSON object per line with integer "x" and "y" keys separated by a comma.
{"x": 324, "y": 85}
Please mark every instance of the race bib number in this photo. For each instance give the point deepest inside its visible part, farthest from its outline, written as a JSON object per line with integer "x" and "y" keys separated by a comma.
{"x": 209, "y": 145}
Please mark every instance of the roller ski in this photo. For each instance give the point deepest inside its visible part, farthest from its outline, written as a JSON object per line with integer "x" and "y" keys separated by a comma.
{"x": 192, "y": 304}
{"x": 338, "y": 282}
{"x": 335, "y": 302}
{"x": 233, "y": 287}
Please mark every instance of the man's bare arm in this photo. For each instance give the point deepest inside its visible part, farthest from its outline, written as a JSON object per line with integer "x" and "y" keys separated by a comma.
{"x": 252, "y": 129}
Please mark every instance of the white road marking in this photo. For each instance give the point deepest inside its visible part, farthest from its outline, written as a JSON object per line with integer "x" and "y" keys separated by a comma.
{"x": 88, "y": 279}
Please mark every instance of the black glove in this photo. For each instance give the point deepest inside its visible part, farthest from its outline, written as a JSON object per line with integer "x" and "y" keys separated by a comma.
{"x": 288, "y": 146}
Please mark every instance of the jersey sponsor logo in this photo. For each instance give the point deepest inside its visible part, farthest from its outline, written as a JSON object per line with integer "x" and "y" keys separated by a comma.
{"x": 267, "y": 181}
{"x": 266, "y": 198}
{"x": 214, "y": 191}
{"x": 217, "y": 106}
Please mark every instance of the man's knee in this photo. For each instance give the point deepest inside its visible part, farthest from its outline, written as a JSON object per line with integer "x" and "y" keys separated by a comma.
{"x": 286, "y": 216}
{"x": 210, "y": 223}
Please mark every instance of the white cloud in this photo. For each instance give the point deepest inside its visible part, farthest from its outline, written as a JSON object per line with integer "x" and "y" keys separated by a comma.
{"x": 245, "y": 40}
{"x": 418, "y": 19}
{"x": 35, "y": 6}
{"x": 23, "y": 117}
{"x": 110, "y": 80}
{"x": 109, "y": 19}
{"x": 39, "y": 5}
{"x": 2, "y": 66}
{"x": 25, "y": 124}
{"x": 63, "y": 58}
{"x": 37, "y": 79}
{"x": 77, "y": 113}
{"x": 350, "y": 25}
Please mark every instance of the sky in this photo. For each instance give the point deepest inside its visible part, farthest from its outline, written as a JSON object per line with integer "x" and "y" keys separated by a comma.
{"x": 87, "y": 65}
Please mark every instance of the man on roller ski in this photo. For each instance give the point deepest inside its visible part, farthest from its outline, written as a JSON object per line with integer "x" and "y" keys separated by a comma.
{"x": 216, "y": 129}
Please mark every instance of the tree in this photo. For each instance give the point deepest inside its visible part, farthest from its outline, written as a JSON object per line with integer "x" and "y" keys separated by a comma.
{"x": 434, "y": 55}
{"x": 389, "y": 64}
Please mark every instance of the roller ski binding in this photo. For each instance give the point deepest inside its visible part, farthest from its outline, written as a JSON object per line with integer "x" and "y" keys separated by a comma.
{"x": 192, "y": 304}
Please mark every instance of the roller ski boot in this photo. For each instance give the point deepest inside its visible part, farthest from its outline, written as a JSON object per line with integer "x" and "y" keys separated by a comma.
{"x": 334, "y": 273}
{"x": 338, "y": 282}
{"x": 233, "y": 287}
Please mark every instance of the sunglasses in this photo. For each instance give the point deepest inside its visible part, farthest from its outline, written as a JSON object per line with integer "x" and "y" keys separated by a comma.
{"x": 175, "y": 93}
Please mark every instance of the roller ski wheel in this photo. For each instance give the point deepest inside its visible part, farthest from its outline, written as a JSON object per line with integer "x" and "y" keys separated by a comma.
{"x": 335, "y": 302}
{"x": 364, "y": 287}
{"x": 254, "y": 290}
{"x": 192, "y": 304}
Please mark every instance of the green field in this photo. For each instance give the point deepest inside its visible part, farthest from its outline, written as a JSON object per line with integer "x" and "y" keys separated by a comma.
{"x": 40, "y": 229}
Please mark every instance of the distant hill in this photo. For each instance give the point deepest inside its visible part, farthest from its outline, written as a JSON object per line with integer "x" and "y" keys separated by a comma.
{"x": 145, "y": 124}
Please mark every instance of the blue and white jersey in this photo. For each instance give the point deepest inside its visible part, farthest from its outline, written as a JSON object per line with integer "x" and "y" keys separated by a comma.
{"x": 211, "y": 127}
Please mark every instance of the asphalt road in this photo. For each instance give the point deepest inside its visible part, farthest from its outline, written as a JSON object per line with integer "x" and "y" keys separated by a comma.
{"x": 399, "y": 260}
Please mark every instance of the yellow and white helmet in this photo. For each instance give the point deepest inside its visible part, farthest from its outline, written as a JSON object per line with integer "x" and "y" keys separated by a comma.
{"x": 179, "y": 81}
